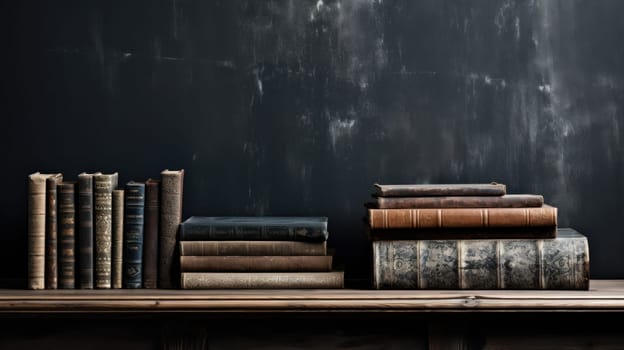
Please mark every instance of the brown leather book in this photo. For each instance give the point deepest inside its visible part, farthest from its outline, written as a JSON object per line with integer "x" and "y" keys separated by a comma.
{"x": 51, "y": 259}
{"x": 545, "y": 215}
{"x": 117, "y": 234}
{"x": 255, "y": 263}
{"x": 252, "y": 248}
{"x": 151, "y": 228}
{"x": 505, "y": 201}
{"x": 37, "y": 229}
{"x": 67, "y": 234}
{"x": 272, "y": 280}
{"x": 170, "y": 219}
{"x": 462, "y": 233}
{"x": 418, "y": 190}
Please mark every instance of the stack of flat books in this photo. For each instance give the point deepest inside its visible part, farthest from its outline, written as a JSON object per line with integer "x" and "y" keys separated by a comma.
{"x": 471, "y": 236}
{"x": 256, "y": 252}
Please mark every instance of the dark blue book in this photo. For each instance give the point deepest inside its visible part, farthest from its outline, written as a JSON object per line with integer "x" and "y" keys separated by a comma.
{"x": 254, "y": 228}
{"x": 133, "y": 234}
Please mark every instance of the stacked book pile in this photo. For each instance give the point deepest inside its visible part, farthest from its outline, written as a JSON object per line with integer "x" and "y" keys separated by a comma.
{"x": 256, "y": 252}
{"x": 471, "y": 236}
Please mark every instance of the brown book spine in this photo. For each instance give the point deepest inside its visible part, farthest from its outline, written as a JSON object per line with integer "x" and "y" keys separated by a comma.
{"x": 252, "y": 248}
{"x": 506, "y": 201}
{"x": 255, "y": 263}
{"x": 462, "y": 217}
{"x": 170, "y": 219}
{"x": 117, "y": 238}
{"x": 150, "y": 242}
{"x": 461, "y": 233}
{"x": 67, "y": 234}
{"x": 51, "y": 259}
{"x": 277, "y": 280}
{"x": 36, "y": 230}
{"x": 103, "y": 185}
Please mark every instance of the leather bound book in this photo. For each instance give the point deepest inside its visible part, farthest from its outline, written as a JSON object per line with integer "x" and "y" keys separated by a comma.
{"x": 117, "y": 231}
{"x": 133, "y": 234}
{"x": 51, "y": 259}
{"x": 505, "y": 201}
{"x": 254, "y": 228}
{"x": 67, "y": 234}
{"x": 103, "y": 186}
{"x": 37, "y": 229}
{"x": 272, "y": 280}
{"x": 418, "y": 190}
{"x": 150, "y": 238}
{"x": 255, "y": 263}
{"x": 172, "y": 182}
{"x": 85, "y": 230}
{"x": 462, "y": 233}
{"x": 545, "y": 215}
{"x": 556, "y": 263}
{"x": 252, "y": 248}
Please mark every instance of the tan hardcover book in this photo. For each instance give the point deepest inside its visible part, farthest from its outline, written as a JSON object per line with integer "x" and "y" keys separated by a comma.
{"x": 252, "y": 248}
{"x": 117, "y": 238}
{"x": 272, "y": 280}
{"x": 255, "y": 263}
{"x": 51, "y": 259}
{"x": 170, "y": 219}
{"x": 37, "y": 229}
{"x": 545, "y": 215}
{"x": 103, "y": 186}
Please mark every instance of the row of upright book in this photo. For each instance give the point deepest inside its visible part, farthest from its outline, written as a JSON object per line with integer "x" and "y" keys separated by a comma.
{"x": 92, "y": 232}
{"x": 471, "y": 236}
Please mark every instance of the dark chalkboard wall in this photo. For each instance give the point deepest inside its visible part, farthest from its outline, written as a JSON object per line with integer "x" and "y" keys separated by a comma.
{"x": 298, "y": 107}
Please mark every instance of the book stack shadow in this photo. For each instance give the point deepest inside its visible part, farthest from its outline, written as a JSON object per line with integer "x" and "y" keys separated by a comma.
{"x": 471, "y": 236}
{"x": 256, "y": 252}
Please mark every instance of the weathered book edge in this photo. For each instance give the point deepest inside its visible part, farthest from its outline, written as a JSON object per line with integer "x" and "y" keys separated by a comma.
{"x": 278, "y": 280}
{"x": 252, "y": 248}
{"x": 505, "y": 201}
{"x": 418, "y": 190}
{"x": 255, "y": 263}
{"x": 51, "y": 250}
{"x": 117, "y": 238}
{"x": 172, "y": 182}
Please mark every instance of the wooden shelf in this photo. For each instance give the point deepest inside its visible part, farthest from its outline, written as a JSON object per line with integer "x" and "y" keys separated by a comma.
{"x": 604, "y": 295}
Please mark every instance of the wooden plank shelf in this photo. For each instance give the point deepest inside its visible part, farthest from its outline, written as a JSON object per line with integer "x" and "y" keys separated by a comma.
{"x": 604, "y": 295}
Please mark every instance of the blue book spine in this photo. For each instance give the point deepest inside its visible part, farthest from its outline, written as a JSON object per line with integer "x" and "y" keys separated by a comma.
{"x": 133, "y": 234}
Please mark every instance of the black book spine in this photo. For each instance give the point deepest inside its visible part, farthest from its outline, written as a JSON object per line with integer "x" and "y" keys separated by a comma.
{"x": 133, "y": 234}
{"x": 85, "y": 230}
{"x": 67, "y": 227}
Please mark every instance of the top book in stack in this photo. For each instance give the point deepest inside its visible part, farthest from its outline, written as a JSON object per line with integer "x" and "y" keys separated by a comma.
{"x": 465, "y": 209}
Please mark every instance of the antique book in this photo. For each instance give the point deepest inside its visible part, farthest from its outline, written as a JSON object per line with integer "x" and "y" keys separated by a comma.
{"x": 545, "y": 215}
{"x": 505, "y": 201}
{"x": 461, "y": 233}
{"x": 171, "y": 188}
{"x": 419, "y": 190}
{"x": 51, "y": 258}
{"x": 85, "y": 230}
{"x": 556, "y": 263}
{"x": 272, "y": 280}
{"x": 255, "y": 263}
{"x": 203, "y": 248}
{"x": 103, "y": 186}
{"x": 67, "y": 234}
{"x": 36, "y": 234}
{"x": 254, "y": 228}
{"x": 150, "y": 233}
{"x": 133, "y": 234}
{"x": 117, "y": 238}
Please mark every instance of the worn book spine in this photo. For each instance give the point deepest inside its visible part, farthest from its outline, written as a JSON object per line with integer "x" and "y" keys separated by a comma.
{"x": 462, "y": 217}
{"x": 255, "y": 263}
{"x": 419, "y": 190}
{"x": 277, "y": 280}
{"x": 85, "y": 230}
{"x": 559, "y": 263}
{"x": 462, "y": 233}
{"x": 150, "y": 238}
{"x": 133, "y": 234}
{"x": 117, "y": 238}
{"x": 36, "y": 230}
{"x": 51, "y": 259}
{"x": 250, "y": 248}
{"x": 506, "y": 201}
{"x": 170, "y": 218}
{"x": 67, "y": 234}
{"x": 103, "y": 186}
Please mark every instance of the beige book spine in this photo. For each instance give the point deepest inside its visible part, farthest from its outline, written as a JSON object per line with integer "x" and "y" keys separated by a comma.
{"x": 256, "y": 263}
{"x": 117, "y": 242}
{"x": 280, "y": 280}
{"x": 36, "y": 230}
